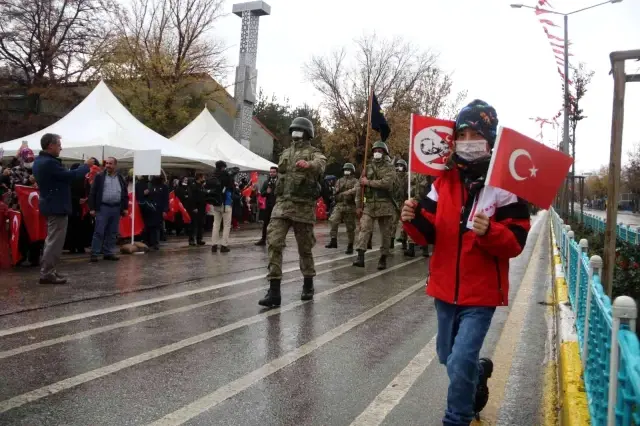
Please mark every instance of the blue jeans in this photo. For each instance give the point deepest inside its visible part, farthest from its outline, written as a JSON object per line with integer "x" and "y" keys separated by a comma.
{"x": 461, "y": 332}
{"x": 106, "y": 230}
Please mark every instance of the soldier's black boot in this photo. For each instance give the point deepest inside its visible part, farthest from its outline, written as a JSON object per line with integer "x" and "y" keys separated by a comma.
{"x": 404, "y": 245}
{"x": 349, "y": 249}
{"x": 411, "y": 251}
{"x": 360, "y": 260}
{"x": 425, "y": 251}
{"x": 382, "y": 263}
{"x": 332, "y": 244}
{"x": 307, "y": 289}
{"x": 482, "y": 390}
{"x": 272, "y": 299}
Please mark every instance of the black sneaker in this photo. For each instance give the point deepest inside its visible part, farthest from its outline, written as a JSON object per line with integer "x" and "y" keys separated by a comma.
{"x": 214, "y": 248}
{"x": 93, "y": 258}
{"x": 201, "y": 243}
{"x": 224, "y": 249}
{"x": 482, "y": 390}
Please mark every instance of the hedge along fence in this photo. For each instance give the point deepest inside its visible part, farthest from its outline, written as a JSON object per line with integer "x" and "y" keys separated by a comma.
{"x": 610, "y": 351}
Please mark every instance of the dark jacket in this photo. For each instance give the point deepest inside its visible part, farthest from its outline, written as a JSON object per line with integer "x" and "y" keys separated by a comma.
{"x": 271, "y": 197}
{"x": 154, "y": 203}
{"x": 468, "y": 269}
{"x": 95, "y": 195}
{"x": 195, "y": 197}
{"x": 54, "y": 182}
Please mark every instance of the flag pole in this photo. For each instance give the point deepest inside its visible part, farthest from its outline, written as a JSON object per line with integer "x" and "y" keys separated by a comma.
{"x": 410, "y": 155}
{"x": 133, "y": 213}
{"x": 366, "y": 147}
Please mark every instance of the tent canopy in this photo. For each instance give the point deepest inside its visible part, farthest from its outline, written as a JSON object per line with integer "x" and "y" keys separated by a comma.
{"x": 206, "y": 136}
{"x": 100, "y": 126}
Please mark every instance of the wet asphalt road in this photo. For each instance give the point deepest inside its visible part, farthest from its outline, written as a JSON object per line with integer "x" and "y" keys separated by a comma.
{"x": 178, "y": 338}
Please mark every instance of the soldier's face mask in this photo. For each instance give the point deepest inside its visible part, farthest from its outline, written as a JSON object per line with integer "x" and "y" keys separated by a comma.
{"x": 377, "y": 155}
{"x": 347, "y": 172}
{"x": 400, "y": 169}
{"x": 297, "y": 134}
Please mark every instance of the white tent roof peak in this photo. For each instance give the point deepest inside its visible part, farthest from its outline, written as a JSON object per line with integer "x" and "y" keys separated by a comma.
{"x": 100, "y": 126}
{"x": 206, "y": 136}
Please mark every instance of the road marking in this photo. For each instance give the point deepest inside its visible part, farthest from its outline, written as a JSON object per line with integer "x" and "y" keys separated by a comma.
{"x": 115, "y": 326}
{"x": 145, "y": 302}
{"x": 231, "y": 389}
{"x": 386, "y": 400}
{"x": 74, "y": 381}
{"x": 510, "y": 337}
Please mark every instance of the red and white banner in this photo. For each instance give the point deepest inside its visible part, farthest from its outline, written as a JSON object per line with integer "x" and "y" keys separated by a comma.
{"x": 527, "y": 168}
{"x": 125, "y": 222}
{"x": 175, "y": 206}
{"x": 430, "y": 145}
{"x": 15, "y": 220}
{"x": 29, "y": 201}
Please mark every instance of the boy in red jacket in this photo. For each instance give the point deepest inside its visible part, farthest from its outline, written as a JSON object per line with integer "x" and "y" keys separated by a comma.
{"x": 475, "y": 230}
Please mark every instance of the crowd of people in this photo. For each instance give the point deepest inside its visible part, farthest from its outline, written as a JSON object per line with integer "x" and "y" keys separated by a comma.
{"x": 474, "y": 229}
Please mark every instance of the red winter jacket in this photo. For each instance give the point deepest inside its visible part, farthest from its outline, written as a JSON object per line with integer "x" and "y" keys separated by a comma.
{"x": 467, "y": 269}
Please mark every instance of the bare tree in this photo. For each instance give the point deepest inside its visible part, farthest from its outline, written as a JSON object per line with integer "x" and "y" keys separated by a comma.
{"x": 46, "y": 42}
{"x": 161, "y": 50}
{"x": 405, "y": 78}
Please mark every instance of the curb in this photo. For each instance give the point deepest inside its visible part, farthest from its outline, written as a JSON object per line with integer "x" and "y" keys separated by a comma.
{"x": 574, "y": 408}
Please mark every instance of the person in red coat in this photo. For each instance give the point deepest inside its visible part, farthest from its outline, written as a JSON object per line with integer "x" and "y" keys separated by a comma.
{"x": 475, "y": 230}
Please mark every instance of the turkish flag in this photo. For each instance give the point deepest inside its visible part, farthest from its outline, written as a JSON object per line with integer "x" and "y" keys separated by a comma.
{"x": 125, "y": 222}
{"x": 254, "y": 178}
{"x": 527, "y": 168}
{"x": 430, "y": 144}
{"x": 29, "y": 201}
{"x": 176, "y": 206}
{"x": 15, "y": 220}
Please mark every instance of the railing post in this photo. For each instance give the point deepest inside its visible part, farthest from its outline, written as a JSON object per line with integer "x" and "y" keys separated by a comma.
{"x": 595, "y": 268}
{"x": 637, "y": 235}
{"x": 584, "y": 245}
{"x": 623, "y": 308}
{"x": 570, "y": 237}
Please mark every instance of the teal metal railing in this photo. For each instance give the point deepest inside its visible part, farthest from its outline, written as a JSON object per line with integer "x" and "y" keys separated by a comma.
{"x": 610, "y": 351}
{"x": 624, "y": 232}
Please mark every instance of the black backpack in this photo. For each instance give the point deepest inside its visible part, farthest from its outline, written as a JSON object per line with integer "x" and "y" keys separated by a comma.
{"x": 213, "y": 191}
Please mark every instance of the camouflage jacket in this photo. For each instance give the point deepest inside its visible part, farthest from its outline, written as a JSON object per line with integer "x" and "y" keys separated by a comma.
{"x": 419, "y": 186}
{"x": 298, "y": 189}
{"x": 346, "y": 191}
{"x": 401, "y": 188}
{"x": 378, "y": 195}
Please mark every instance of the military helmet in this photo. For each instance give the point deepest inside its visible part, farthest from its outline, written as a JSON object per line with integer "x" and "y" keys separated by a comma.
{"x": 349, "y": 166}
{"x": 304, "y": 124}
{"x": 401, "y": 162}
{"x": 382, "y": 145}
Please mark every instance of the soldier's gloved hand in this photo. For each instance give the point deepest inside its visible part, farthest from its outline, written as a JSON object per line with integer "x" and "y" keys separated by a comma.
{"x": 358, "y": 213}
{"x": 408, "y": 210}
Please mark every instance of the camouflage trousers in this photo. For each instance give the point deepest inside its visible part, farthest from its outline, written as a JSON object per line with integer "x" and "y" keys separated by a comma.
{"x": 393, "y": 226}
{"x": 366, "y": 231}
{"x": 277, "y": 233}
{"x": 344, "y": 214}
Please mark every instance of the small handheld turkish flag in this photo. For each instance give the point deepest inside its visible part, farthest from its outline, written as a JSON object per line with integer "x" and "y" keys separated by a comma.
{"x": 527, "y": 168}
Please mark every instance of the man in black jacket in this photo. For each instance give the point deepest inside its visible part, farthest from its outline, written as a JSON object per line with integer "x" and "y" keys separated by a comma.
{"x": 268, "y": 191}
{"x": 108, "y": 201}
{"x": 196, "y": 204}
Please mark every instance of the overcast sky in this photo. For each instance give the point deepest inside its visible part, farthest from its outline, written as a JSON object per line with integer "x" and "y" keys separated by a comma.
{"x": 497, "y": 53}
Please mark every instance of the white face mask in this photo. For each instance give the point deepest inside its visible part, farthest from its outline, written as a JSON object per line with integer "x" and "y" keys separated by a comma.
{"x": 347, "y": 172}
{"x": 297, "y": 134}
{"x": 377, "y": 155}
{"x": 472, "y": 150}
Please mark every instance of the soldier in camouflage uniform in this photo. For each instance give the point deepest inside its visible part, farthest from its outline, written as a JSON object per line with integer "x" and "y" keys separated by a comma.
{"x": 419, "y": 189}
{"x": 345, "y": 209}
{"x": 378, "y": 203}
{"x": 400, "y": 195}
{"x": 300, "y": 171}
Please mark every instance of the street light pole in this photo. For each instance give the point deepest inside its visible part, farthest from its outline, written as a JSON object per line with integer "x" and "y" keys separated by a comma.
{"x": 564, "y": 195}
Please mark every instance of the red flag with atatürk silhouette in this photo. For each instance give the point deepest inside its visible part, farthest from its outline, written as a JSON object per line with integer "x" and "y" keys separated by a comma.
{"x": 430, "y": 144}
{"x": 527, "y": 168}
{"x": 15, "y": 220}
{"x": 29, "y": 202}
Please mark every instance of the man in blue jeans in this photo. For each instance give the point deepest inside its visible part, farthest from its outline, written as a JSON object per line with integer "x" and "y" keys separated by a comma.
{"x": 108, "y": 201}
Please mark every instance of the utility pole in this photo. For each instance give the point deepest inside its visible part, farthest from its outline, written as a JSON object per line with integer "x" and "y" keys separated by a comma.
{"x": 620, "y": 78}
{"x": 565, "y": 136}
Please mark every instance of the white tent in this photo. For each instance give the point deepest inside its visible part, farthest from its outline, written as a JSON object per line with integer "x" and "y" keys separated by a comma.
{"x": 100, "y": 126}
{"x": 205, "y": 135}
